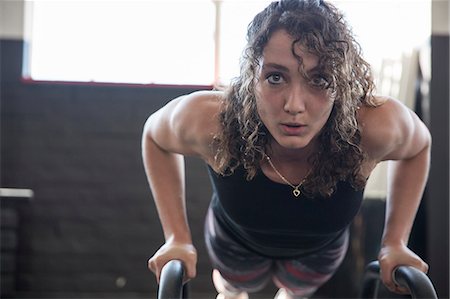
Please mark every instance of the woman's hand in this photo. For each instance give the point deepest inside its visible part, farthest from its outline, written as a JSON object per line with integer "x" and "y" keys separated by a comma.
{"x": 171, "y": 250}
{"x": 390, "y": 257}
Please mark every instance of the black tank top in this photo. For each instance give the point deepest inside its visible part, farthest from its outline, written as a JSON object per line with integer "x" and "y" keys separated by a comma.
{"x": 265, "y": 217}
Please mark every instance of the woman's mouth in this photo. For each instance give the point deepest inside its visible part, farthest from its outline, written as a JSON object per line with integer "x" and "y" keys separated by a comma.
{"x": 293, "y": 128}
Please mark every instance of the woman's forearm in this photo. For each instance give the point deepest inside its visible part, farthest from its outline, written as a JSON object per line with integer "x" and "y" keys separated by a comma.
{"x": 165, "y": 174}
{"x": 407, "y": 179}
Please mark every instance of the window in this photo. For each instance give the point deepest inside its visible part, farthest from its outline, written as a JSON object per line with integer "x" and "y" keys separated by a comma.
{"x": 160, "y": 42}
{"x": 173, "y": 42}
{"x": 235, "y": 17}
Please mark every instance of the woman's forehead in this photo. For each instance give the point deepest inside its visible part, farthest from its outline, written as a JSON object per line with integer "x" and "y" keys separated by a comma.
{"x": 279, "y": 51}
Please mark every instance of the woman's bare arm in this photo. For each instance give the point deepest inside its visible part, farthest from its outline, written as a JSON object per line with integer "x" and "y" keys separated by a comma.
{"x": 399, "y": 136}
{"x": 170, "y": 133}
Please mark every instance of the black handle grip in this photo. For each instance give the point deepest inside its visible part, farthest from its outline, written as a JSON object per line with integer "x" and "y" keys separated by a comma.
{"x": 417, "y": 282}
{"x": 171, "y": 280}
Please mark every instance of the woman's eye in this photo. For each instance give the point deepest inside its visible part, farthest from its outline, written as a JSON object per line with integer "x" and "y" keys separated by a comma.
{"x": 275, "y": 79}
{"x": 320, "y": 82}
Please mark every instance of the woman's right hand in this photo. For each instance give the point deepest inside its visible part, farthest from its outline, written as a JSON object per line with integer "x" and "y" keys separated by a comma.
{"x": 172, "y": 250}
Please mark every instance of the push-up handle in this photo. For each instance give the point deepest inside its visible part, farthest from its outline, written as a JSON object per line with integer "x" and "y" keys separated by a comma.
{"x": 171, "y": 281}
{"x": 417, "y": 282}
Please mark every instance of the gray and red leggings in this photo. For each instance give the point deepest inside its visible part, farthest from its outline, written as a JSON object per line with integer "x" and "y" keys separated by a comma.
{"x": 247, "y": 271}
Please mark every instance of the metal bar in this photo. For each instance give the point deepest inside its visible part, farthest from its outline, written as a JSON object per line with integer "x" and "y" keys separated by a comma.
{"x": 171, "y": 281}
{"x": 417, "y": 282}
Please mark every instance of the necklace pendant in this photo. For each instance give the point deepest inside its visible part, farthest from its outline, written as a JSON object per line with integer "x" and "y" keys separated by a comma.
{"x": 296, "y": 192}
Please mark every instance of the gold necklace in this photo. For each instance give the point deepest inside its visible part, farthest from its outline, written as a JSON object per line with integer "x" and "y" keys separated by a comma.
{"x": 296, "y": 190}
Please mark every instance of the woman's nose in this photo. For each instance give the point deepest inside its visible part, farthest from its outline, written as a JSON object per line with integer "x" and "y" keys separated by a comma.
{"x": 295, "y": 100}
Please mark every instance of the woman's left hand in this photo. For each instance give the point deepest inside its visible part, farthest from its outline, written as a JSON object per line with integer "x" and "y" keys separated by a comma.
{"x": 390, "y": 257}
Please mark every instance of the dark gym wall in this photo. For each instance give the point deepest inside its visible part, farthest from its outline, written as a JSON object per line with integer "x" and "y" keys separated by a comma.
{"x": 92, "y": 224}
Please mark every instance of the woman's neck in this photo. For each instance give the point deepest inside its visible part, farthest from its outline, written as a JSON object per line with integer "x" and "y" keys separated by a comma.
{"x": 285, "y": 155}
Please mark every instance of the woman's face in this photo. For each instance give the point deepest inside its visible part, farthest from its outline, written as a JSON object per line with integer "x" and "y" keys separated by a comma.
{"x": 293, "y": 108}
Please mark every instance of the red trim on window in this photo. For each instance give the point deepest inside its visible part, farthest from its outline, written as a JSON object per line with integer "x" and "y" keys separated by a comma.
{"x": 114, "y": 84}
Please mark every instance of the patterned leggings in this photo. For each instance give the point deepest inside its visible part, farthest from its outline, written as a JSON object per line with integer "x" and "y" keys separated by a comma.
{"x": 246, "y": 271}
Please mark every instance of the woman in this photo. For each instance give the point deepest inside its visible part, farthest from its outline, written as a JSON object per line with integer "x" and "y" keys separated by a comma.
{"x": 289, "y": 147}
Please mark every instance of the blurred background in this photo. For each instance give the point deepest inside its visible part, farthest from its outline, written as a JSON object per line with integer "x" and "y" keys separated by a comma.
{"x": 79, "y": 79}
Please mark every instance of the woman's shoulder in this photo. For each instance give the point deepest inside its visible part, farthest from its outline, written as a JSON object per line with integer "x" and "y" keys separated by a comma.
{"x": 384, "y": 126}
{"x": 195, "y": 117}
{"x": 198, "y": 103}
{"x": 382, "y": 107}
{"x": 199, "y": 109}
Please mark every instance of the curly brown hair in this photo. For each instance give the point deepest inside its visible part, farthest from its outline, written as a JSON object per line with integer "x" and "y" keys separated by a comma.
{"x": 321, "y": 28}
